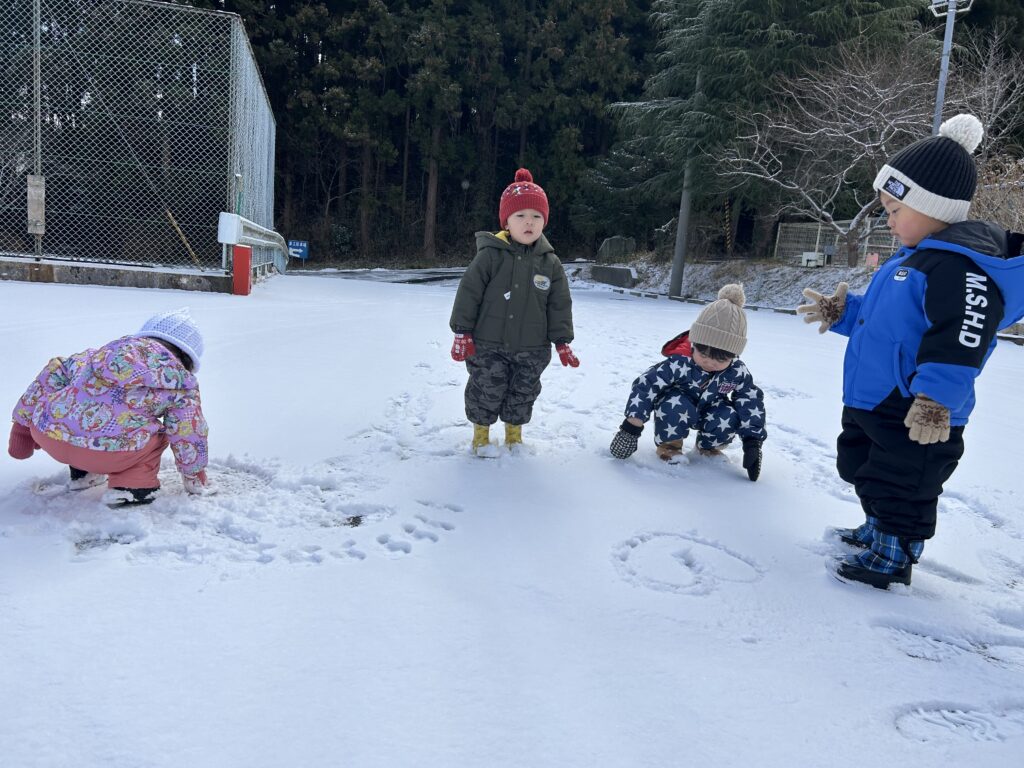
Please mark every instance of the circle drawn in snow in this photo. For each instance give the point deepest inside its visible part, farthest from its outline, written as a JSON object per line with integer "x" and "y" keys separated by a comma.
{"x": 951, "y": 723}
{"x": 681, "y": 563}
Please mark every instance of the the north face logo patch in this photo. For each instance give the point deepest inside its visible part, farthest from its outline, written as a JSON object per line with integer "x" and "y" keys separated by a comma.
{"x": 896, "y": 188}
{"x": 541, "y": 282}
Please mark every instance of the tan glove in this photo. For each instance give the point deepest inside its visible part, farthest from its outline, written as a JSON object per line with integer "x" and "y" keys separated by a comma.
{"x": 824, "y": 309}
{"x": 928, "y": 421}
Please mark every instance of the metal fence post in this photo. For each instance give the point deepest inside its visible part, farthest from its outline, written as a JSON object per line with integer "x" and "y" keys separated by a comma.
{"x": 37, "y": 98}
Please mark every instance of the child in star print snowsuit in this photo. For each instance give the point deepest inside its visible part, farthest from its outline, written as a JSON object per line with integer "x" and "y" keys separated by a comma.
{"x": 701, "y": 386}
{"x": 109, "y": 413}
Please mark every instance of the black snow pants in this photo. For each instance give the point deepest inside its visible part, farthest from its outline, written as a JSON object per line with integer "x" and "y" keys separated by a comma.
{"x": 897, "y": 480}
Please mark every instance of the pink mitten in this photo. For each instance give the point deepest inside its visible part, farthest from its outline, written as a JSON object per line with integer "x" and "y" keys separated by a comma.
{"x": 21, "y": 445}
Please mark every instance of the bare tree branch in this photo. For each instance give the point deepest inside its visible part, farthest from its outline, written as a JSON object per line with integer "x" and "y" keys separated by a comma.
{"x": 1000, "y": 195}
{"x": 829, "y": 130}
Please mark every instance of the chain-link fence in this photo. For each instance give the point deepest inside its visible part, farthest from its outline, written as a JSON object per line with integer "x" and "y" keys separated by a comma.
{"x": 795, "y": 239}
{"x": 145, "y": 119}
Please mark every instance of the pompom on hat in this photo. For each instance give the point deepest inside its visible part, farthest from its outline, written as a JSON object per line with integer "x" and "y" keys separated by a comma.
{"x": 178, "y": 328}
{"x": 522, "y": 193}
{"x": 722, "y": 323}
{"x": 936, "y": 176}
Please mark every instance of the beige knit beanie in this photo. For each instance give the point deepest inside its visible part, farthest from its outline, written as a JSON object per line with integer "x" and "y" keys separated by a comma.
{"x": 722, "y": 323}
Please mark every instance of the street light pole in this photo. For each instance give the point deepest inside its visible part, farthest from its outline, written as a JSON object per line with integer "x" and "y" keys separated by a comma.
{"x": 953, "y": 7}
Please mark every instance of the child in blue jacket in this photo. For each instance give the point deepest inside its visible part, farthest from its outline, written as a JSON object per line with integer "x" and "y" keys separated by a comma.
{"x": 918, "y": 338}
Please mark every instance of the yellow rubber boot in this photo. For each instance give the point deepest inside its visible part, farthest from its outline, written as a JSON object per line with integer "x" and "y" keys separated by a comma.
{"x": 481, "y": 436}
{"x": 513, "y": 434}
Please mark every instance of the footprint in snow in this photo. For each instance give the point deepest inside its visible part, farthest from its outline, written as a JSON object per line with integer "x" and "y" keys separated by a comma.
{"x": 952, "y": 723}
{"x": 1003, "y": 568}
{"x": 439, "y": 524}
{"x": 954, "y": 503}
{"x": 348, "y": 551}
{"x": 310, "y": 553}
{"x": 425, "y": 528}
{"x": 416, "y": 532}
{"x": 932, "y": 644}
{"x": 395, "y": 546}
{"x": 441, "y": 508}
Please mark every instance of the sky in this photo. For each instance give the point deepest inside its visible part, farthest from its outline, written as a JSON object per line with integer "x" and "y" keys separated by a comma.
{"x": 363, "y": 591}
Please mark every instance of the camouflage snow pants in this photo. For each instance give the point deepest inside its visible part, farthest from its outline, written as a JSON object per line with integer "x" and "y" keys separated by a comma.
{"x": 503, "y": 385}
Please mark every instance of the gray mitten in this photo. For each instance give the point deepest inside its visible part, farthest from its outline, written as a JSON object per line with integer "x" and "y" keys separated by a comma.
{"x": 824, "y": 309}
{"x": 625, "y": 441}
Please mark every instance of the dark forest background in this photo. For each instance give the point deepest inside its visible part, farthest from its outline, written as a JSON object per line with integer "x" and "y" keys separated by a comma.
{"x": 399, "y": 122}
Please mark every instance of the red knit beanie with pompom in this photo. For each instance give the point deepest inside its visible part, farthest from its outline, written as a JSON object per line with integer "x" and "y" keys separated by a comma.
{"x": 522, "y": 193}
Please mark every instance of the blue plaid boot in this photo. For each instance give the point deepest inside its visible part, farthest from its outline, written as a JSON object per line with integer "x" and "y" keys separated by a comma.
{"x": 859, "y": 537}
{"x": 888, "y": 561}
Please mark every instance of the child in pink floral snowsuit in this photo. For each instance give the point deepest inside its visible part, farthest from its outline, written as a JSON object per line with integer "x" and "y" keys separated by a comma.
{"x": 112, "y": 411}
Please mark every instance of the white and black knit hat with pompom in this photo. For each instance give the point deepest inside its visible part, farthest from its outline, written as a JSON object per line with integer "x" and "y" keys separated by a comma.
{"x": 722, "y": 323}
{"x": 936, "y": 176}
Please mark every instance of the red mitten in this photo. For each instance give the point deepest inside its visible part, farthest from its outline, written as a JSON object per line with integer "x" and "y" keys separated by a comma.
{"x": 21, "y": 445}
{"x": 463, "y": 347}
{"x": 567, "y": 356}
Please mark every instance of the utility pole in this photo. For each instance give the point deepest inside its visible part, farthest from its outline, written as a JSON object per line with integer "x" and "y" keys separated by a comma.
{"x": 951, "y": 8}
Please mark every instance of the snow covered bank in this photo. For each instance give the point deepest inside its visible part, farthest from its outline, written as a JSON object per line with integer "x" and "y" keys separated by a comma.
{"x": 766, "y": 284}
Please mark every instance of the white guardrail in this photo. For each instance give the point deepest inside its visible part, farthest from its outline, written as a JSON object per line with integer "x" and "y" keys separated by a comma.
{"x": 233, "y": 229}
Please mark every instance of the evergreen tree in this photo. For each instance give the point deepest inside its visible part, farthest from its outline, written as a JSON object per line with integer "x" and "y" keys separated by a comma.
{"x": 990, "y": 13}
{"x": 400, "y": 121}
{"x": 593, "y": 66}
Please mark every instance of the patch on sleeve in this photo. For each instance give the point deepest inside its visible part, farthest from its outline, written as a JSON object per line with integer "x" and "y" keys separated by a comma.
{"x": 543, "y": 283}
{"x": 896, "y": 188}
{"x": 901, "y": 274}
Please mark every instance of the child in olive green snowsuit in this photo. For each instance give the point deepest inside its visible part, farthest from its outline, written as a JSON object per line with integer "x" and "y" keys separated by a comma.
{"x": 513, "y": 303}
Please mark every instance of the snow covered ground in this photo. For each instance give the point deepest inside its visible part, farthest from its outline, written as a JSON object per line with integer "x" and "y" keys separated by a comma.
{"x": 363, "y": 592}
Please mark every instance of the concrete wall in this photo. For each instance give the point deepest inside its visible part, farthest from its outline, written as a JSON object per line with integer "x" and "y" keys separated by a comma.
{"x": 32, "y": 271}
{"x": 622, "y": 277}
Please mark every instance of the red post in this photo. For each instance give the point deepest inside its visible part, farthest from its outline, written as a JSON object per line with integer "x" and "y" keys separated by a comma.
{"x": 241, "y": 276}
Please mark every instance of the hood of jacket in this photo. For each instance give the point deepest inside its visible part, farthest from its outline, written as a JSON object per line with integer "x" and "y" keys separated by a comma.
{"x": 996, "y": 250}
{"x": 503, "y": 242}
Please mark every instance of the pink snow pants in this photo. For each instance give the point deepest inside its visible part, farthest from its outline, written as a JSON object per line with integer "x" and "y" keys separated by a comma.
{"x": 124, "y": 469}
